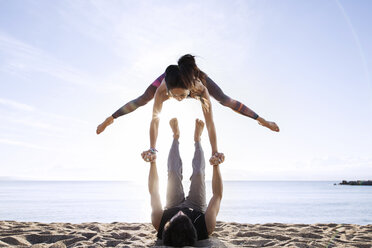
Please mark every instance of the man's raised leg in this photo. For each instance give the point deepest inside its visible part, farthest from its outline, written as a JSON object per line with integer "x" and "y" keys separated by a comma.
{"x": 175, "y": 194}
{"x": 197, "y": 196}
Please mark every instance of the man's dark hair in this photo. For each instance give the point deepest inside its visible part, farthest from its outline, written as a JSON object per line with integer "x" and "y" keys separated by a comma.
{"x": 179, "y": 232}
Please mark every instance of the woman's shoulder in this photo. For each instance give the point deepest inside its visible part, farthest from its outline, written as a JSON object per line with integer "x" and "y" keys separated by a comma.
{"x": 198, "y": 88}
{"x": 161, "y": 91}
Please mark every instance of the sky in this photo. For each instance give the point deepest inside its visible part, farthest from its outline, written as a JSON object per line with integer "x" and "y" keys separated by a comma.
{"x": 65, "y": 66}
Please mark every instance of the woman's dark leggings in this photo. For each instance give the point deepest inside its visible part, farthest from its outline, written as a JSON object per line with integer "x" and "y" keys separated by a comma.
{"x": 213, "y": 89}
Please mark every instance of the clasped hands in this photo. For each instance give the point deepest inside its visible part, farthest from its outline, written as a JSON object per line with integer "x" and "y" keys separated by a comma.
{"x": 149, "y": 155}
{"x": 216, "y": 159}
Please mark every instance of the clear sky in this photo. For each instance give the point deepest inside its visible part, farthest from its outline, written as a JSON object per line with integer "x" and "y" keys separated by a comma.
{"x": 67, "y": 65}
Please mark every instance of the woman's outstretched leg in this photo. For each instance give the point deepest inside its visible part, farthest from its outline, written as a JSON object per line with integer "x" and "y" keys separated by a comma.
{"x": 175, "y": 194}
{"x": 134, "y": 104}
{"x": 217, "y": 93}
{"x": 147, "y": 96}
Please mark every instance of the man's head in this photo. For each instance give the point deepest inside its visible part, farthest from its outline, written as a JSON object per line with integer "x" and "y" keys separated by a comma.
{"x": 179, "y": 231}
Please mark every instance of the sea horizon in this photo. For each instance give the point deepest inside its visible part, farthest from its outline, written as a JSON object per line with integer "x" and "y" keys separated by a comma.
{"x": 253, "y": 202}
{"x": 185, "y": 180}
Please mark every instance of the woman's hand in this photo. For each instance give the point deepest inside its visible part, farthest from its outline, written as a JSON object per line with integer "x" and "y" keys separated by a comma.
{"x": 103, "y": 125}
{"x": 217, "y": 158}
{"x": 269, "y": 124}
{"x": 149, "y": 155}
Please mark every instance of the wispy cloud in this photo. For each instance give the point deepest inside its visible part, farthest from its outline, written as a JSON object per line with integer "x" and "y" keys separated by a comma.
{"x": 23, "y": 144}
{"x": 150, "y": 36}
{"x": 357, "y": 42}
{"x": 36, "y": 124}
{"x": 22, "y": 58}
{"x": 16, "y": 105}
{"x": 31, "y": 116}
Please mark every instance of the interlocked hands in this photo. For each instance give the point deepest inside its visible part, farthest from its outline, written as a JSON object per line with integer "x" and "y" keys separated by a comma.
{"x": 149, "y": 155}
{"x": 217, "y": 158}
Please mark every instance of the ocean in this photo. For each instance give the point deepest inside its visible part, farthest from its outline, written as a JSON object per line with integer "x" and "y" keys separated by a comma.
{"x": 306, "y": 202}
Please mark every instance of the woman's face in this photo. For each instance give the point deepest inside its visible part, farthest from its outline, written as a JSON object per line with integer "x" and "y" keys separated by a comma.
{"x": 179, "y": 93}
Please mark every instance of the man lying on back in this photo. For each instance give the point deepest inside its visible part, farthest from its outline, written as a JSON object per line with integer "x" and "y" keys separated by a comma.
{"x": 183, "y": 221}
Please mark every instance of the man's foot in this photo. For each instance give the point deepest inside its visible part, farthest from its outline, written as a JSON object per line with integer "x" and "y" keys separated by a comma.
{"x": 174, "y": 125}
{"x": 199, "y": 126}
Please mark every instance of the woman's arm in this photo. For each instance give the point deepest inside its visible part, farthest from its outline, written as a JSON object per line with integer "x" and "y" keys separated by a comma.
{"x": 216, "y": 92}
{"x": 160, "y": 97}
{"x": 208, "y": 115}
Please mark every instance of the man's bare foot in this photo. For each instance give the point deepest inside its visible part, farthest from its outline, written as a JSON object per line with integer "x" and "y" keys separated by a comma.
{"x": 199, "y": 126}
{"x": 104, "y": 124}
{"x": 174, "y": 125}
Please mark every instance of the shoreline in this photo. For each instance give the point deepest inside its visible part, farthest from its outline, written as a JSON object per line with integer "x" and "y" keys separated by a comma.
{"x": 226, "y": 234}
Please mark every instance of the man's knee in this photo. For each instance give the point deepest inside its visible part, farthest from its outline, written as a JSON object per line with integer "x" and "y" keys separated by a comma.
{"x": 198, "y": 175}
{"x": 174, "y": 172}
{"x": 198, "y": 166}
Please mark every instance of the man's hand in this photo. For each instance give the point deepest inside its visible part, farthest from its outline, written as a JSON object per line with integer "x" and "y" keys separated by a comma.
{"x": 217, "y": 158}
{"x": 149, "y": 155}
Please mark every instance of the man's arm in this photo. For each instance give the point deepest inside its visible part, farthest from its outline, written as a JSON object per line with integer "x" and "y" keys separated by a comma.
{"x": 214, "y": 203}
{"x": 157, "y": 210}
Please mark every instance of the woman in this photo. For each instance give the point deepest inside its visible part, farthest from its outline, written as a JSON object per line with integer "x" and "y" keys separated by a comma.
{"x": 185, "y": 80}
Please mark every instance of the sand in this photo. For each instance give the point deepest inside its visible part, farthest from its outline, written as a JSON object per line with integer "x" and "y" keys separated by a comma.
{"x": 117, "y": 234}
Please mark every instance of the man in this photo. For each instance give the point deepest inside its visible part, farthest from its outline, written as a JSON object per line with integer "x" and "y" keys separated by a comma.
{"x": 185, "y": 220}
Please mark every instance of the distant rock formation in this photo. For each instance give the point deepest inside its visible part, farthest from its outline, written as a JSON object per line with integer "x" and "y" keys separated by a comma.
{"x": 359, "y": 183}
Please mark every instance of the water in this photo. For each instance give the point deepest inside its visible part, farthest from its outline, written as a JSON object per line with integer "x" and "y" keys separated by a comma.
{"x": 243, "y": 201}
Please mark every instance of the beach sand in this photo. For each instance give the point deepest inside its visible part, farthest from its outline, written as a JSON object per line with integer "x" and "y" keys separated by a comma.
{"x": 117, "y": 234}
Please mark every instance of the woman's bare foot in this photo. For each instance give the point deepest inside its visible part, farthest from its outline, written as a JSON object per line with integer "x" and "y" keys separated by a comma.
{"x": 269, "y": 124}
{"x": 272, "y": 126}
{"x": 174, "y": 125}
{"x": 199, "y": 126}
{"x": 104, "y": 124}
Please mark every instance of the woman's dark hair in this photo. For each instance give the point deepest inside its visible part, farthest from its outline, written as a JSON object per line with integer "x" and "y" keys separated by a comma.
{"x": 173, "y": 78}
{"x": 190, "y": 71}
{"x": 179, "y": 232}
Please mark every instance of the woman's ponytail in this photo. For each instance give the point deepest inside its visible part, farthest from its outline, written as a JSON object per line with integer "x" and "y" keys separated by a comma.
{"x": 190, "y": 71}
